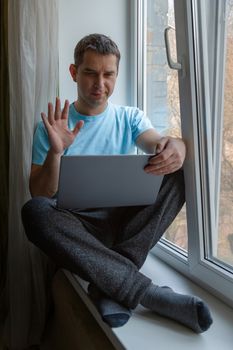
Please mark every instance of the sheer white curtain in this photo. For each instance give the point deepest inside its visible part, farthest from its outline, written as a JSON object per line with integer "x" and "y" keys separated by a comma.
{"x": 33, "y": 74}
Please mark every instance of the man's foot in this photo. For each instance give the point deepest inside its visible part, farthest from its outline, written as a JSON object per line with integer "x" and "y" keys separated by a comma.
{"x": 189, "y": 310}
{"x": 113, "y": 313}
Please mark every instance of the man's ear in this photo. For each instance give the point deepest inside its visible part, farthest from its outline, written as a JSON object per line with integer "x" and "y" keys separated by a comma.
{"x": 73, "y": 72}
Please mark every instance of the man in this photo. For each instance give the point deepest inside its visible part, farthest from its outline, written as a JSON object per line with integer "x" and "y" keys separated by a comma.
{"x": 107, "y": 246}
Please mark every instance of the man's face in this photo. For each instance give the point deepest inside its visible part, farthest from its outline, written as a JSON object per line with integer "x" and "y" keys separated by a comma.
{"x": 96, "y": 78}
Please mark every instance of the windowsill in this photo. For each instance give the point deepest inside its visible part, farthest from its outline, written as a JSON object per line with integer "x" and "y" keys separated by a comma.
{"x": 145, "y": 329}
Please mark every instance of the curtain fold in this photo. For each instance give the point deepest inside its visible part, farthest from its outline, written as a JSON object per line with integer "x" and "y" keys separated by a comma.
{"x": 4, "y": 152}
{"x": 33, "y": 78}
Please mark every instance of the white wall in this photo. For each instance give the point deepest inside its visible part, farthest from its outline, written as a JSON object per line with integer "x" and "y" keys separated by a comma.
{"x": 78, "y": 18}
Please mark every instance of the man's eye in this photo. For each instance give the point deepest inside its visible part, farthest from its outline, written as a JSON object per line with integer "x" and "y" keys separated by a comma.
{"x": 89, "y": 73}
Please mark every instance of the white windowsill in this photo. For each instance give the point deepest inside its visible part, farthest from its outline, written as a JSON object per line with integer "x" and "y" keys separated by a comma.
{"x": 146, "y": 330}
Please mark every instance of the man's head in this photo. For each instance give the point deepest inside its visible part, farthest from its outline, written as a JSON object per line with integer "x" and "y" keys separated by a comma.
{"x": 95, "y": 70}
{"x": 98, "y": 43}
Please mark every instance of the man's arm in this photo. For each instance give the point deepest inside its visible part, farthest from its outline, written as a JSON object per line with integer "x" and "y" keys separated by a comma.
{"x": 44, "y": 178}
{"x": 169, "y": 152}
{"x": 148, "y": 141}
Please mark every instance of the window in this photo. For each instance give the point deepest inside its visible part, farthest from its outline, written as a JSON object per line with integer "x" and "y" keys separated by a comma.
{"x": 222, "y": 243}
{"x": 162, "y": 97}
{"x": 201, "y": 36}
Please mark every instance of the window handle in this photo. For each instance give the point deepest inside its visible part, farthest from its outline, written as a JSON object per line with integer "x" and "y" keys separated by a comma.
{"x": 171, "y": 63}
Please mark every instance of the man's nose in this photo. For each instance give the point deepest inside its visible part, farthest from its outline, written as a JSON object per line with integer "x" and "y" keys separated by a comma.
{"x": 99, "y": 82}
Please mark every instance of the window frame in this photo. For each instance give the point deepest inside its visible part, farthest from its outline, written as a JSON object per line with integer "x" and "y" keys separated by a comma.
{"x": 198, "y": 167}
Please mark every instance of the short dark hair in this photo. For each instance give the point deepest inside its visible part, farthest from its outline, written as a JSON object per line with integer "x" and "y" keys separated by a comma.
{"x": 100, "y": 43}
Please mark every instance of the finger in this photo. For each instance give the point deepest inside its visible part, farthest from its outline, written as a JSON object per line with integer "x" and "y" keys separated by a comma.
{"x": 161, "y": 158}
{"x": 171, "y": 160}
{"x": 50, "y": 113}
{"x": 169, "y": 170}
{"x": 65, "y": 111}
{"x": 78, "y": 127}
{"x": 168, "y": 156}
{"x": 57, "y": 114}
{"x": 45, "y": 120}
{"x": 165, "y": 169}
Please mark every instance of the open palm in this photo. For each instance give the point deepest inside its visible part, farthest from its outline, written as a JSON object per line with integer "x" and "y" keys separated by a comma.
{"x": 60, "y": 136}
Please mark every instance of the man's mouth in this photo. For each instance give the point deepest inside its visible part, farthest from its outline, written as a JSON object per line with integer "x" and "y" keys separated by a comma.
{"x": 97, "y": 93}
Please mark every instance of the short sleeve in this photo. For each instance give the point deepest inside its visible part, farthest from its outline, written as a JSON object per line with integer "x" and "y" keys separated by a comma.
{"x": 139, "y": 123}
{"x": 40, "y": 145}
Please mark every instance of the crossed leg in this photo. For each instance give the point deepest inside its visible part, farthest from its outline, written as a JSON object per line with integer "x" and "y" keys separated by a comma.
{"x": 110, "y": 255}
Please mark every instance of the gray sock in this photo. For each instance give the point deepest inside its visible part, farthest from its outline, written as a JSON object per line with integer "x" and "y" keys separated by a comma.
{"x": 189, "y": 310}
{"x": 113, "y": 313}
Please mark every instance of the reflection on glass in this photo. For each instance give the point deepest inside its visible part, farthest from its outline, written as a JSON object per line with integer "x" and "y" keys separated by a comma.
{"x": 225, "y": 229}
{"x": 162, "y": 91}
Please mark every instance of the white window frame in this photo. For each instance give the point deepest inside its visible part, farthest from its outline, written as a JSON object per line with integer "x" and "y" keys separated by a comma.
{"x": 200, "y": 164}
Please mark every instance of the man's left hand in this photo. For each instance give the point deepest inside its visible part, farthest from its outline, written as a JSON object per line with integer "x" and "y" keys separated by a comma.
{"x": 170, "y": 155}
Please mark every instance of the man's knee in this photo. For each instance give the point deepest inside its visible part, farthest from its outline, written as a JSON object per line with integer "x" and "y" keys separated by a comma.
{"x": 34, "y": 207}
{"x": 33, "y": 212}
{"x": 174, "y": 182}
{"x": 177, "y": 177}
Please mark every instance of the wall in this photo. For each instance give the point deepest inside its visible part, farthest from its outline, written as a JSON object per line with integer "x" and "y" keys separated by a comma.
{"x": 110, "y": 17}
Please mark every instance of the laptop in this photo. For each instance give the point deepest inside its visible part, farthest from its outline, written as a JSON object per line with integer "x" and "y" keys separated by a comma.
{"x": 94, "y": 181}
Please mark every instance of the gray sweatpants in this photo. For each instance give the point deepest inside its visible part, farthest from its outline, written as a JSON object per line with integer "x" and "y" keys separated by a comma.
{"x": 106, "y": 246}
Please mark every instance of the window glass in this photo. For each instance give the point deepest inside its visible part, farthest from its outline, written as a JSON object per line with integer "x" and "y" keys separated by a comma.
{"x": 224, "y": 249}
{"x": 162, "y": 97}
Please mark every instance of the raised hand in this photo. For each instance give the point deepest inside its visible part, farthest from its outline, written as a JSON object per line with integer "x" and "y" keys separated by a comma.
{"x": 60, "y": 136}
{"x": 170, "y": 155}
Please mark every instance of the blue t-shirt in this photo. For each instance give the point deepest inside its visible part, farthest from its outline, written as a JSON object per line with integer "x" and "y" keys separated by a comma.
{"x": 112, "y": 132}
